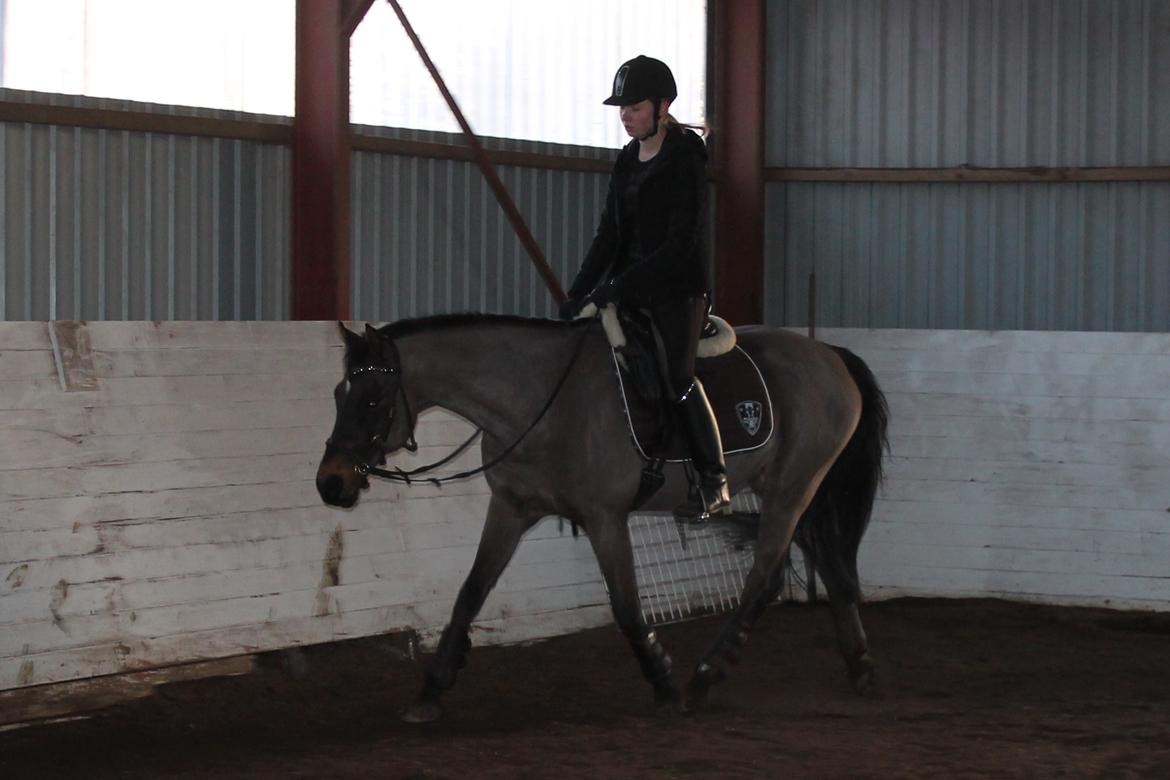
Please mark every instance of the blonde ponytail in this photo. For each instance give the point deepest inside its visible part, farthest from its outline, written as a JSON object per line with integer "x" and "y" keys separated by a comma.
{"x": 669, "y": 120}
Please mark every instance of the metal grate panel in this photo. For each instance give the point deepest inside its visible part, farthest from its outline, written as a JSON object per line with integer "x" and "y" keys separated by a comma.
{"x": 687, "y": 571}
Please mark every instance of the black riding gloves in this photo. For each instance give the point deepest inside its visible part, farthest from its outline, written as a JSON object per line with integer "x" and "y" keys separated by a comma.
{"x": 609, "y": 292}
{"x": 570, "y": 308}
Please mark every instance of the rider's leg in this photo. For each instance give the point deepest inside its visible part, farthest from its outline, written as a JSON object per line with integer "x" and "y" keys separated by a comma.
{"x": 679, "y": 324}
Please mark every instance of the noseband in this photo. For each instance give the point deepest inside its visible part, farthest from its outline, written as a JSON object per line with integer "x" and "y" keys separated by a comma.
{"x": 362, "y": 467}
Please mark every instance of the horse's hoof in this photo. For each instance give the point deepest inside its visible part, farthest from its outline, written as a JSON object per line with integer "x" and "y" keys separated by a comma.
{"x": 696, "y": 696}
{"x": 861, "y": 673}
{"x": 423, "y": 712}
{"x": 666, "y": 698}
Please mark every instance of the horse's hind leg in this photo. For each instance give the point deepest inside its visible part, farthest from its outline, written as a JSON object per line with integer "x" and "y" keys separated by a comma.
{"x": 838, "y": 570}
{"x": 501, "y": 535}
{"x": 780, "y": 512}
{"x": 611, "y": 544}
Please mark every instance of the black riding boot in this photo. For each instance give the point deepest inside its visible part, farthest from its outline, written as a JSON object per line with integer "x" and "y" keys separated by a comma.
{"x": 710, "y": 495}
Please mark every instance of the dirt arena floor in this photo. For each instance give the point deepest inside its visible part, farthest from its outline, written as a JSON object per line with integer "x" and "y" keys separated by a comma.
{"x": 965, "y": 689}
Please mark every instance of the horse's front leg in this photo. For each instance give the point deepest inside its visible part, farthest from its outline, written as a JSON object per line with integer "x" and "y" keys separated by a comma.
{"x": 501, "y": 535}
{"x": 611, "y": 544}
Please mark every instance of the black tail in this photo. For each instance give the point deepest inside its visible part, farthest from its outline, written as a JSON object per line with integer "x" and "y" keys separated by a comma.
{"x": 831, "y": 529}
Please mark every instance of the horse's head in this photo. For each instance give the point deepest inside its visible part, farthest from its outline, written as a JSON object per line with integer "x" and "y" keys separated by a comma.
{"x": 373, "y": 417}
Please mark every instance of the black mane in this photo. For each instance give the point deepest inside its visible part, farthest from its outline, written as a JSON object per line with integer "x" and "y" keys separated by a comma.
{"x": 461, "y": 319}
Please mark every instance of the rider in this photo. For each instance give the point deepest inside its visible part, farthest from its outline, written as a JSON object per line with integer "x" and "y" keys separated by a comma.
{"x": 648, "y": 248}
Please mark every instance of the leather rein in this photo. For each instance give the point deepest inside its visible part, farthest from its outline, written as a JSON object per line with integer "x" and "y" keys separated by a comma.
{"x": 412, "y": 476}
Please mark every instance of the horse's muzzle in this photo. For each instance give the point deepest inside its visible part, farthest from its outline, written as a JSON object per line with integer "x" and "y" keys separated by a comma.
{"x": 338, "y": 483}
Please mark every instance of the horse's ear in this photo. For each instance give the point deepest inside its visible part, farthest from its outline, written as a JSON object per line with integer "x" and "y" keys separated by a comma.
{"x": 379, "y": 345}
{"x": 352, "y": 340}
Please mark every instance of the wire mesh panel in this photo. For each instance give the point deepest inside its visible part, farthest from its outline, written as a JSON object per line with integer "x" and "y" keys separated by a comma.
{"x": 685, "y": 571}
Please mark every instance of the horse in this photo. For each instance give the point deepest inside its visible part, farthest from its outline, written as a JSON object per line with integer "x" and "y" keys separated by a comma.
{"x": 556, "y": 442}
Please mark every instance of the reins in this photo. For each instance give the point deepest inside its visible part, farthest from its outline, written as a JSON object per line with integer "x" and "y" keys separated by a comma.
{"x": 409, "y": 477}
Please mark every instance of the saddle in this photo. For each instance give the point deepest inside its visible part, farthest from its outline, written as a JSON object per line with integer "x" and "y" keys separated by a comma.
{"x": 733, "y": 382}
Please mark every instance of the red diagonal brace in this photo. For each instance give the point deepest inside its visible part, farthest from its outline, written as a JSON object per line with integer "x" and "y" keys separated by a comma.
{"x": 486, "y": 167}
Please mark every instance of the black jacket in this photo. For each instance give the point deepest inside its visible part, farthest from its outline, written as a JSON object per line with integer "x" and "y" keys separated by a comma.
{"x": 670, "y": 210}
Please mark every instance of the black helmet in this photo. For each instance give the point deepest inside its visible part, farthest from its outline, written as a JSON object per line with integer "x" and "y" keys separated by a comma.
{"x": 642, "y": 78}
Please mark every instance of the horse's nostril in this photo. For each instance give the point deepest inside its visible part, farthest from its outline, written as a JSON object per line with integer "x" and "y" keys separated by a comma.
{"x": 330, "y": 488}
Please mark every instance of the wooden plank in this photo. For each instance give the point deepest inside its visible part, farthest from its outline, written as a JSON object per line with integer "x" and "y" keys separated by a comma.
{"x": 956, "y": 445}
{"x": 170, "y": 504}
{"x": 967, "y": 173}
{"x": 1016, "y": 473}
{"x": 959, "y": 530}
{"x": 225, "y": 557}
{"x": 1006, "y": 572}
{"x": 26, "y": 335}
{"x": 51, "y": 555}
{"x": 20, "y": 365}
{"x": 1122, "y": 521}
{"x": 120, "y": 479}
{"x": 945, "y": 341}
{"x": 1151, "y": 435}
{"x": 144, "y": 122}
{"x": 904, "y": 405}
{"x": 441, "y": 151}
{"x": 172, "y": 418}
{"x": 221, "y": 361}
{"x": 134, "y": 653}
{"x": 1014, "y": 385}
{"x": 1136, "y": 367}
{"x": 31, "y": 450}
{"x": 69, "y": 699}
{"x": 73, "y": 356}
{"x": 1039, "y": 496}
{"x": 246, "y": 335}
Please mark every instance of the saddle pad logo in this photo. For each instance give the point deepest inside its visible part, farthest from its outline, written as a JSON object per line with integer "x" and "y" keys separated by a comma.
{"x": 750, "y": 414}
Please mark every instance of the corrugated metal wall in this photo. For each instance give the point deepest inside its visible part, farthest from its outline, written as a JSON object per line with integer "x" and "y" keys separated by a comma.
{"x": 987, "y": 83}
{"x": 429, "y": 236}
{"x": 984, "y": 256}
{"x": 119, "y": 225}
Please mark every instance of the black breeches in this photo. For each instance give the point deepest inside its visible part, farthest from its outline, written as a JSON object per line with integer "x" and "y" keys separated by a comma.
{"x": 679, "y": 324}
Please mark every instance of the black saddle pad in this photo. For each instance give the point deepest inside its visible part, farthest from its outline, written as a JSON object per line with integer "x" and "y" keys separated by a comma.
{"x": 738, "y": 395}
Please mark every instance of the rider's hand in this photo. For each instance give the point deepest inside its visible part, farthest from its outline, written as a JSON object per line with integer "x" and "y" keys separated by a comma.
{"x": 605, "y": 294}
{"x": 571, "y": 308}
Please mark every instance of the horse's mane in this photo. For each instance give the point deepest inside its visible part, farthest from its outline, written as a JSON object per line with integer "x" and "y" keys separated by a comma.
{"x": 464, "y": 319}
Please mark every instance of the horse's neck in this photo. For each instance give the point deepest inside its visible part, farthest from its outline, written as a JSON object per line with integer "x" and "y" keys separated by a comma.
{"x": 495, "y": 375}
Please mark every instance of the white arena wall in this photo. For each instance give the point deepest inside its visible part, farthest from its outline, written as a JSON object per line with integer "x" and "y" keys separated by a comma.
{"x": 1025, "y": 465}
{"x": 157, "y": 503}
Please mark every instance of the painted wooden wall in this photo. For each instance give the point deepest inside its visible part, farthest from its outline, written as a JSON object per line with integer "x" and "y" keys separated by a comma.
{"x": 161, "y": 508}
{"x": 157, "y": 502}
{"x": 1026, "y": 465}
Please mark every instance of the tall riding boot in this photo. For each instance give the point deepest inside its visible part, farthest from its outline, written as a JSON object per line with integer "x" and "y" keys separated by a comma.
{"x": 710, "y": 495}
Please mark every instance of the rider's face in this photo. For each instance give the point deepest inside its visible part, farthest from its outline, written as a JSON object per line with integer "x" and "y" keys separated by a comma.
{"x": 638, "y": 118}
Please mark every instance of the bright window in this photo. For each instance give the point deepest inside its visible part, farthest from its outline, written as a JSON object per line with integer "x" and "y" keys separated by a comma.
{"x": 228, "y": 54}
{"x": 532, "y": 69}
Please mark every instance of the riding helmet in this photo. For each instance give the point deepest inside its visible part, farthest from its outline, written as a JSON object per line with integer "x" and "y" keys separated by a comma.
{"x": 642, "y": 78}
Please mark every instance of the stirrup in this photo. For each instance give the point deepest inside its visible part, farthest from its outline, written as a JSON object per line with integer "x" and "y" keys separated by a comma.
{"x": 700, "y": 507}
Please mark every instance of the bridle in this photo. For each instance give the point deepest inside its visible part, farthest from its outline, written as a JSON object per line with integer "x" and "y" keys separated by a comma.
{"x": 364, "y": 468}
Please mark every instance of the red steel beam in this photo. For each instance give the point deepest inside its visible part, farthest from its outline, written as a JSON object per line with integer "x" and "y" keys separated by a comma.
{"x": 486, "y": 167}
{"x": 320, "y": 159}
{"x": 739, "y": 156}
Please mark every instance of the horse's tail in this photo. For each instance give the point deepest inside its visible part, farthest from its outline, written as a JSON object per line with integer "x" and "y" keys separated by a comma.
{"x": 831, "y": 529}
